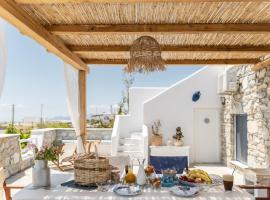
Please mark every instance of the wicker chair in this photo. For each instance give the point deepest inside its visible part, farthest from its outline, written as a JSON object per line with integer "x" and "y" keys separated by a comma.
{"x": 70, "y": 153}
{"x": 5, "y": 190}
{"x": 252, "y": 187}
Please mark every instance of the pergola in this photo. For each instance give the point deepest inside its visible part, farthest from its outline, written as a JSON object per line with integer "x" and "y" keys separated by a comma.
{"x": 83, "y": 32}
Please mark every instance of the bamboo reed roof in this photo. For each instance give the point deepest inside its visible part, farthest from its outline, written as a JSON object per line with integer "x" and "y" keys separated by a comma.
{"x": 189, "y": 31}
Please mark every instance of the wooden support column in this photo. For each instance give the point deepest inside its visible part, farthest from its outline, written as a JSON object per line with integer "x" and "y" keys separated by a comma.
{"x": 82, "y": 101}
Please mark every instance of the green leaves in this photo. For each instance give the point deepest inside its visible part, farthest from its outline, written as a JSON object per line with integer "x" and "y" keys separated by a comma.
{"x": 48, "y": 153}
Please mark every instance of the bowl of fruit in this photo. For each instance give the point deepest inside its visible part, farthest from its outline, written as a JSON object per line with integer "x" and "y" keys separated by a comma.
{"x": 196, "y": 177}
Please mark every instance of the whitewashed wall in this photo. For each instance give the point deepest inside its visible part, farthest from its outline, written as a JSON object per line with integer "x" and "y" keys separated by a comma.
{"x": 174, "y": 106}
{"x": 137, "y": 98}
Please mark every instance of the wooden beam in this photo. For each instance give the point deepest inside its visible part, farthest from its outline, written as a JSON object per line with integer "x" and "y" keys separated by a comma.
{"x": 163, "y": 28}
{"x": 261, "y": 65}
{"x": 220, "y": 48}
{"x": 178, "y": 62}
{"x": 10, "y": 11}
{"x": 82, "y": 101}
{"x": 125, "y": 1}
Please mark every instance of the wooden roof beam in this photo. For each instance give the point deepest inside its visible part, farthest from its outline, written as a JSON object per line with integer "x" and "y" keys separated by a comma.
{"x": 261, "y": 65}
{"x": 179, "y": 61}
{"x": 215, "y": 48}
{"x": 124, "y": 1}
{"x": 10, "y": 11}
{"x": 163, "y": 28}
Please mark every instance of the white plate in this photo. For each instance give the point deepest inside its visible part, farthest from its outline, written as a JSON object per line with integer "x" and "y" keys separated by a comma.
{"x": 185, "y": 191}
{"x": 123, "y": 190}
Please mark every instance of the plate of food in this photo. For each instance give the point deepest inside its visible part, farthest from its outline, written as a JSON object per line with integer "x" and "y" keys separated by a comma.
{"x": 125, "y": 190}
{"x": 198, "y": 177}
{"x": 185, "y": 191}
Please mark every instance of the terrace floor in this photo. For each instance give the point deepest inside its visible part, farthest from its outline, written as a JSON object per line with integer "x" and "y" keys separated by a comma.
{"x": 24, "y": 178}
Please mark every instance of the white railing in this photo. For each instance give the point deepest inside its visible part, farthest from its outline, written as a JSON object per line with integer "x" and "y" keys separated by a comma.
{"x": 115, "y": 136}
{"x": 145, "y": 143}
{"x": 121, "y": 128}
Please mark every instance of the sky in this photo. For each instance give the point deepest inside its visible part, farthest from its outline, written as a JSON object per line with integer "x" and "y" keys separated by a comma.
{"x": 35, "y": 76}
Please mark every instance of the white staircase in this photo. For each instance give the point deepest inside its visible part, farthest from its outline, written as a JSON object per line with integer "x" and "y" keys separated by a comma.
{"x": 131, "y": 145}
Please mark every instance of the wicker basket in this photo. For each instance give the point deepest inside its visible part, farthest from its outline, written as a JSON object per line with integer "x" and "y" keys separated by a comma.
{"x": 91, "y": 170}
{"x": 156, "y": 140}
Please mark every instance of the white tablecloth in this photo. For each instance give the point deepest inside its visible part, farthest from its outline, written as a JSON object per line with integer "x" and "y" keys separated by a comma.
{"x": 56, "y": 192}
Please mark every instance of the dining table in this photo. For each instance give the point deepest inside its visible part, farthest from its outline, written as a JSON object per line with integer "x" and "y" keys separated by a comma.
{"x": 58, "y": 192}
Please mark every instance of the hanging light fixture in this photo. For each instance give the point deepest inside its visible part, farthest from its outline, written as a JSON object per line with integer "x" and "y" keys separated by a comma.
{"x": 145, "y": 56}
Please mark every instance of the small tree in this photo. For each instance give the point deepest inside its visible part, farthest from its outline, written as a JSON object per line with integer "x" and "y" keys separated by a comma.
{"x": 121, "y": 109}
{"x": 24, "y": 134}
{"x": 128, "y": 81}
{"x": 11, "y": 129}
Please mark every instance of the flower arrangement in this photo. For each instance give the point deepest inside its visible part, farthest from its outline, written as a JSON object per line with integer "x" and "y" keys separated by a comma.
{"x": 178, "y": 137}
{"x": 46, "y": 152}
{"x": 156, "y": 127}
{"x": 157, "y": 136}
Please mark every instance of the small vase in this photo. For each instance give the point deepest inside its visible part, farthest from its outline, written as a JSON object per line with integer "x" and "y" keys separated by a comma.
{"x": 141, "y": 177}
{"x": 41, "y": 174}
{"x": 156, "y": 140}
{"x": 178, "y": 143}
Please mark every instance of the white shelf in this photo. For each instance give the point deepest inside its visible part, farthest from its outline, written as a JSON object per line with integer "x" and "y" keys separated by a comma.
{"x": 169, "y": 151}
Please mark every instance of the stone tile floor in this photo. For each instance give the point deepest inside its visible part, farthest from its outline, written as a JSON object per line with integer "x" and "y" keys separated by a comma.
{"x": 24, "y": 178}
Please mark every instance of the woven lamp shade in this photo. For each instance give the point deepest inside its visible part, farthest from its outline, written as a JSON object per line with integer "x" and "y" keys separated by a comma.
{"x": 145, "y": 56}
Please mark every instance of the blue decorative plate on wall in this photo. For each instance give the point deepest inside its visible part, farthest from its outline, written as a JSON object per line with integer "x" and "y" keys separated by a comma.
{"x": 196, "y": 96}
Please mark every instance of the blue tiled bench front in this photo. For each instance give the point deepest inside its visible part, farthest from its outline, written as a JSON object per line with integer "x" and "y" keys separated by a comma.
{"x": 179, "y": 163}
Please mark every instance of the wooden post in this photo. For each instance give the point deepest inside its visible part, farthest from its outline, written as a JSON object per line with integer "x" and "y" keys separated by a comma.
{"x": 82, "y": 101}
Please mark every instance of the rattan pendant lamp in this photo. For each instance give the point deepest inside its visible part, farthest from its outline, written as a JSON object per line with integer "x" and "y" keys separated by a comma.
{"x": 145, "y": 56}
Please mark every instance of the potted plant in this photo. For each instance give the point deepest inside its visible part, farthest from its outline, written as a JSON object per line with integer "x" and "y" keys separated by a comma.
{"x": 178, "y": 137}
{"x": 41, "y": 171}
{"x": 156, "y": 135}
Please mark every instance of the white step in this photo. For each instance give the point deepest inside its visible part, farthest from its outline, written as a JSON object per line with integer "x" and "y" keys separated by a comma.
{"x": 126, "y": 141}
{"x": 136, "y": 135}
{"x": 132, "y": 154}
{"x": 129, "y": 147}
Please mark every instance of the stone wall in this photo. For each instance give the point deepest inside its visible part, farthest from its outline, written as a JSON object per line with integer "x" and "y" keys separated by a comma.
{"x": 254, "y": 96}
{"x": 10, "y": 155}
{"x": 227, "y": 131}
{"x": 12, "y": 160}
{"x": 92, "y": 134}
{"x": 48, "y": 136}
{"x": 43, "y": 137}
